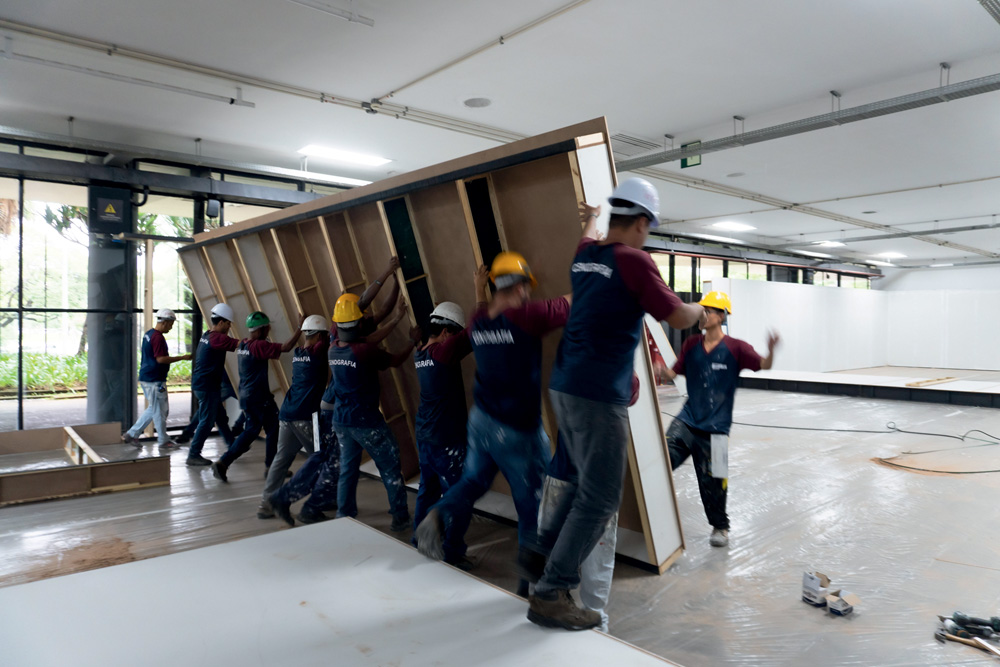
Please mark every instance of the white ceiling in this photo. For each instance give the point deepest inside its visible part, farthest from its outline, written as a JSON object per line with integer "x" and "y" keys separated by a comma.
{"x": 651, "y": 66}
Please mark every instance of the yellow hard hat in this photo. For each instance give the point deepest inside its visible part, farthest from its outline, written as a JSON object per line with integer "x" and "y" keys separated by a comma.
{"x": 511, "y": 264}
{"x": 346, "y": 309}
{"x": 718, "y": 300}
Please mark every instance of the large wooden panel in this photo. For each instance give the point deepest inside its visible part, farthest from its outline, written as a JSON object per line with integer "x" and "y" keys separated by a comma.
{"x": 33, "y": 440}
{"x": 323, "y": 265}
{"x": 344, "y": 254}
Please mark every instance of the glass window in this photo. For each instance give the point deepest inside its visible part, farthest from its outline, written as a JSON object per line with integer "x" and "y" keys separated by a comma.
{"x": 708, "y": 269}
{"x": 8, "y": 371}
{"x": 55, "y": 369}
{"x": 825, "y": 278}
{"x": 662, "y": 261}
{"x": 55, "y": 154}
{"x": 737, "y": 270}
{"x": 757, "y": 272}
{"x": 56, "y": 246}
{"x": 8, "y": 148}
{"x": 323, "y": 189}
{"x": 855, "y": 282}
{"x": 682, "y": 273}
{"x": 163, "y": 169}
{"x": 9, "y": 242}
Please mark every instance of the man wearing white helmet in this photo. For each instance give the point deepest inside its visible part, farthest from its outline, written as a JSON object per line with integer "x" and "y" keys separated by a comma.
{"x": 443, "y": 413}
{"x": 614, "y": 283}
{"x": 153, "y": 369}
{"x": 206, "y": 377}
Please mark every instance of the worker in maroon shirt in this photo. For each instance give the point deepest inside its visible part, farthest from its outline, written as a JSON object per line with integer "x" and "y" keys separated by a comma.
{"x": 505, "y": 425}
{"x": 206, "y": 377}
{"x": 614, "y": 283}
{"x": 712, "y": 363}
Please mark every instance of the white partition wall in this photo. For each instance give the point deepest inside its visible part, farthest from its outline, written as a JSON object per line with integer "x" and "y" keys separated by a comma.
{"x": 822, "y": 328}
{"x": 944, "y": 329}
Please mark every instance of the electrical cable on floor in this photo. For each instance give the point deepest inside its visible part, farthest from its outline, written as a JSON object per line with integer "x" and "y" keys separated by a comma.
{"x": 892, "y": 428}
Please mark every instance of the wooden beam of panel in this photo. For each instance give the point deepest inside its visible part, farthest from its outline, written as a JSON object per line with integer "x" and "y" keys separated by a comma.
{"x": 288, "y": 298}
{"x": 86, "y": 454}
{"x": 463, "y": 198}
{"x": 319, "y": 261}
{"x": 238, "y": 302}
{"x": 344, "y": 251}
{"x": 352, "y": 236}
{"x": 497, "y": 214}
{"x": 334, "y": 266}
{"x": 108, "y": 433}
{"x": 282, "y": 264}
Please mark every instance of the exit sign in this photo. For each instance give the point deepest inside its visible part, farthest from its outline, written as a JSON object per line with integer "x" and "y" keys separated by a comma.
{"x": 692, "y": 161}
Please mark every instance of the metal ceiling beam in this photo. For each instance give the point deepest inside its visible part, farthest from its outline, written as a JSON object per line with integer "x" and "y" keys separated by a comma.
{"x": 954, "y": 91}
{"x": 896, "y": 235}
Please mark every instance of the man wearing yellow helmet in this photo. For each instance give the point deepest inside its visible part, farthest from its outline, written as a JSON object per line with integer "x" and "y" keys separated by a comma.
{"x": 505, "y": 424}
{"x": 711, "y": 363}
{"x": 614, "y": 283}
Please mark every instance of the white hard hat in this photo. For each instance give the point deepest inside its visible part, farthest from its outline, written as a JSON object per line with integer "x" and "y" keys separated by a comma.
{"x": 224, "y": 311}
{"x": 634, "y": 197}
{"x": 165, "y": 314}
{"x": 314, "y": 323}
{"x": 449, "y": 314}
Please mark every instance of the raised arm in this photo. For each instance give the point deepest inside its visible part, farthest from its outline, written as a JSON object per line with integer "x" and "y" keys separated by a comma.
{"x": 383, "y": 331}
{"x": 481, "y": 279}
{"x": 290, "y": 343}
{"x": 404, "y": 354}
{"x": 588, "y": 217}
{"x": 372, "y": 290}
{"x": 773, "y": 339}
{"x": 170, "y": 360}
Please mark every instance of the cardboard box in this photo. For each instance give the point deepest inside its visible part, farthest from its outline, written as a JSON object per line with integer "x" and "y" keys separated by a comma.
{"x": 841, "y": 603}
{"x": 815, "y": 588}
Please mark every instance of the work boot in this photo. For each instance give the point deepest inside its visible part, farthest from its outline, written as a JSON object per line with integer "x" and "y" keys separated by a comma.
{"x": 219, "y": 471}
{"x": 307, "y": 516}
{"x": 400, "y": 523}
{"x": 129, "y": 440}
{"x": 719, "y": 538}
{"x": 530, "y": 564}
{"x": 264, "y": 510}
{"x": 560, "y": 611}
{"x": 283, "y": 510}
{"x": 430, "y": 535}
{"x": 198, "y": 460}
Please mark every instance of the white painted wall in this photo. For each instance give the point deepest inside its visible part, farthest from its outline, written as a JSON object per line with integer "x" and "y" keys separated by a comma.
{"x": 822, "y": 328}
{"x": 945, "y": 278}
{"x": 944, "y": 329}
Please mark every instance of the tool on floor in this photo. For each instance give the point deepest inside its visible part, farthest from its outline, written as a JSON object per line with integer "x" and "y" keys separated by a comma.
{"x": 965, "y": 619}
{"x": 986, "y": 646}
{"x": 941, "y": 635}
{"x": 963, "y": 626}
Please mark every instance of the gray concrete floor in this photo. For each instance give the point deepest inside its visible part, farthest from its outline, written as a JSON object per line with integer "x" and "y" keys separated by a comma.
{"x": 911, "y": 545}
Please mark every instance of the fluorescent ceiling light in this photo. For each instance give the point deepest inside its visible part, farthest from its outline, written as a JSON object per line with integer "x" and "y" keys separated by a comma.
{"x": 810, "y": 253}
{"x": 343, "y": 180}
{"x": 720, "y": 239}
{"x": 880, "y": 263}
{"x": 829, "y": 244}
{"x": 937, "y": 265}
{"x": 315, "y": 150}
{"x": 733, "y": 226}
{"x": 892, "y": 255}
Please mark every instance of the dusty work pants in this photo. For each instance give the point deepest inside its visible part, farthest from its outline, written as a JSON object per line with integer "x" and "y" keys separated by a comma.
{"x": 318, "y": 476}
{"x": 598, "y": 568}
{"x": 292, "y": 436}
{"x": 258, "y": 416}
{"x": 684, "y": 441}
{"x": 381, "y": 446}
{"x": 595, "y": 435}
{"x": 440, "y": 469}
{"x": 157, "y": 409}
{"x": 520, "y": 455}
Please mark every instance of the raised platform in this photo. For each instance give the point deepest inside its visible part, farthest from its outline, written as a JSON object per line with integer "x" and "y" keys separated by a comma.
{"x": 902, "y": 384}
{"x": 333, "y": 593}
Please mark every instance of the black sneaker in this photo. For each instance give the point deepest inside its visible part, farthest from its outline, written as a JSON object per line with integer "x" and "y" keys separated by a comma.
{"x": 182, "y": 438}
{"x": 307, "y": 517}
{"x": 561, "y": 612}
{"x": 129, "y": 440}
{"x": 283, "y": 511}
{"x": 198, "y": 460}
{"x": 400, "y": 523}
{"x": 219, "y": 471}
{"x": 430, "y": 535}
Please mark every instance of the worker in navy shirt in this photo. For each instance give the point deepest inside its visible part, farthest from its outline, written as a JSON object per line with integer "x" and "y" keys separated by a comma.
{"x": 256, "y": 400}
{"x": 441, "y": 418}
{"x": 711, "y": 363}
{"x": 319, "y": 476}
{"x": 295, "y": 419}
{"x": 360, "y": 425}
{"x": 614, "y": 283}
{"x": 153, "y": 369}
{"x": 206, "y": 377}
{"x": 505, "y": 425}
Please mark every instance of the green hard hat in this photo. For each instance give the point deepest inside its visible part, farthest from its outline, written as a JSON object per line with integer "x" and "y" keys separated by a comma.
{"x": 256, "y": 320}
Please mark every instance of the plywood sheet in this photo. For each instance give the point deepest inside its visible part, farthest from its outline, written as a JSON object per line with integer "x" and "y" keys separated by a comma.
{"x": 343, "y": 253}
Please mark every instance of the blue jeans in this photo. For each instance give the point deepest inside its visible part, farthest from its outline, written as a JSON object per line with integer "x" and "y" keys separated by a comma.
{"x": 318, "y": 476}
{"x": 156, "y": 411}
{"x": 440, "y": 469}
{"x": 381, "y": 446}
{"x": 596, "y": 439}
{"x": 520, "y": 455}
{"x": 263, "y": 416}
{"x": 209, "y": 403}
